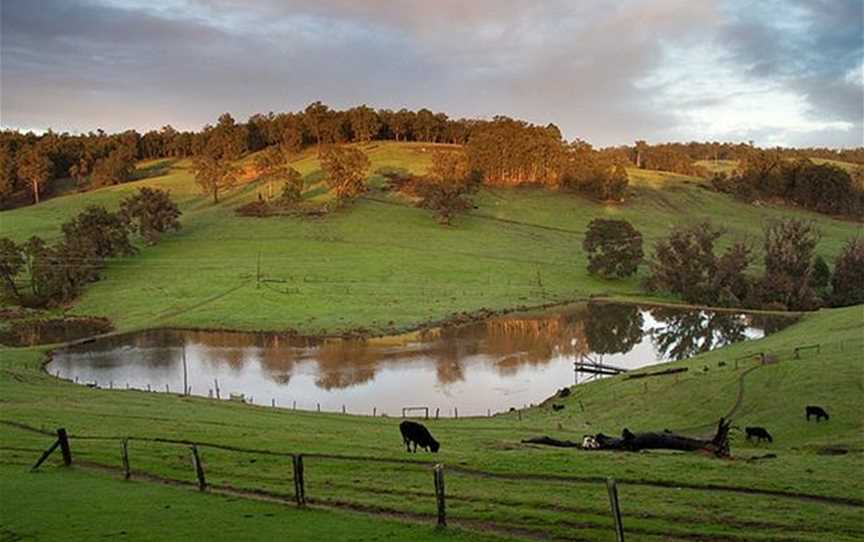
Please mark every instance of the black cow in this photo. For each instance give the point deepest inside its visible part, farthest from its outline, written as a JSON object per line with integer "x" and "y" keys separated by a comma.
{"x": 817, "y": 411}
{"x": 556, "y": 408}
{"x": 759, "y": 433}
{"x": 419, "y": 435}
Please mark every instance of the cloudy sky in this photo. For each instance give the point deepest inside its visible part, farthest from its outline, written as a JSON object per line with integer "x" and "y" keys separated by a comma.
{"x": 775, "y": 72}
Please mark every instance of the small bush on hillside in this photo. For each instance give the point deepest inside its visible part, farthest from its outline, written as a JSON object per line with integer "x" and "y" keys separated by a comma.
{"x": 614, "y": 248}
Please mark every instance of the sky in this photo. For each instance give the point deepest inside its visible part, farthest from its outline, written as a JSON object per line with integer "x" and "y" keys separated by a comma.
{"x": 773, "y": 72}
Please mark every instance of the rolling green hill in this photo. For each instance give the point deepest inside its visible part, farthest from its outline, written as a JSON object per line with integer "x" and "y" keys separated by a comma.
{"x": 385, "y": 264}
{"x": 380, "y": 265}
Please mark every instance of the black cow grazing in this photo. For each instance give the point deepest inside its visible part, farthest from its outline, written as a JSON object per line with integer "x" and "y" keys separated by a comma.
{"x": 419, "y": 435}
{"x": 556, "y": 408}
{"x": 759, "y": 433}
{"x": 564, "y": 392}
{"x": 817, "y": 411}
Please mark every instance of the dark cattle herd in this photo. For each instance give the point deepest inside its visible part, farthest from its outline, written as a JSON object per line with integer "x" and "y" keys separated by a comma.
{"x": 418, "y": 435}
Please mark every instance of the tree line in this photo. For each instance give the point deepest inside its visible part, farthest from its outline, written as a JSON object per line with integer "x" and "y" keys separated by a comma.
{"x": 36, "y": 273}
{"x": 686, "y": 263}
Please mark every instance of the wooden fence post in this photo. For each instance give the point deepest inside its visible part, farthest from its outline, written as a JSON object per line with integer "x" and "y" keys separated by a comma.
{"x": 45, "y": 454}
{"x": 456, "y": 413}
{"x": 616, "y": 510}
{"x": 299, "y": 485}
{"x": 436, "y": 412}
{"x": 63, "y": 439}
{"x": 438, "y": 477}
{"x": 124, "y": 448}
{"x": 199, "y": 469}
{"x": 216, "y": 387}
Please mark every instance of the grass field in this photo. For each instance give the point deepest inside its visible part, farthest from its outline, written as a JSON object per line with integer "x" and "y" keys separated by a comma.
{"x": 383, "y": 265}
{"x": 380, "y": 264}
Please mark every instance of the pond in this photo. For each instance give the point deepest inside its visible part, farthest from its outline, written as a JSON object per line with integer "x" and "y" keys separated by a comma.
{"x": 493, "y": 365}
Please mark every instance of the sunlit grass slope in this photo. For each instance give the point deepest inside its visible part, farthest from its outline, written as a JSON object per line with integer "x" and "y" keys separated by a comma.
{"x": 379, "y": 263}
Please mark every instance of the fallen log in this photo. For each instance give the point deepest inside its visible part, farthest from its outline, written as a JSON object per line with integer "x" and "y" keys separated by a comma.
{"x": 634, "y": 442}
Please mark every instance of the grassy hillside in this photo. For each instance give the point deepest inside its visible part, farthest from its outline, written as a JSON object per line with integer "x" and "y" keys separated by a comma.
{"x": 379, "y": 264}
{"x": 742, "y": 499}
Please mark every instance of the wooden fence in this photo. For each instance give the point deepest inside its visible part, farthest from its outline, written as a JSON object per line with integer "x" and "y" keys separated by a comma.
{"x": 300, "y": 499}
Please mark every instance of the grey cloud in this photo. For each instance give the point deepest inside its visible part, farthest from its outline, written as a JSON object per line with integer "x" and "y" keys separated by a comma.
{"x": 121, "y": 63}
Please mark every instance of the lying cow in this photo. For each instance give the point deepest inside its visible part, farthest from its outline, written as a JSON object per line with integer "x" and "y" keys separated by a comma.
{"x": 556, "y": 408}
{"x": 817, "y": 411}
{"x": 759, "y": 433}
{"x": 419, "y": 435}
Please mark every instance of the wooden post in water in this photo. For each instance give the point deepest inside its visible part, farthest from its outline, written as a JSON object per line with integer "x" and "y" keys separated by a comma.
{"x": 438, "y": 477}
{"x": 185, "y": 373}
{"x": 616, "y": 510}
{"x": 299, "y": 487}
{"x": 124, "y": 449}
{"x": 199, "y": 469}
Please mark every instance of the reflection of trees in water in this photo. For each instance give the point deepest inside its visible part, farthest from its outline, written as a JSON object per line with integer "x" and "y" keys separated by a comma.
{"x": 685, "y": 333}
{"x": 343, "y": 363}
{"x": 771, "y": 324}
{"x": 612, "y": 328}
{"x": 512, "y": 342}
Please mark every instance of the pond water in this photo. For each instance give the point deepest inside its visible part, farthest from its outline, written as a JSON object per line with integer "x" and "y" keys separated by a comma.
{"x": 508, "y": 361}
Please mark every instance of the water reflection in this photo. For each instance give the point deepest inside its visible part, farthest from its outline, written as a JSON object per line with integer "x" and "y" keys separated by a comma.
{"x": 495, "y": 364}
{"x": 683, "y": 334}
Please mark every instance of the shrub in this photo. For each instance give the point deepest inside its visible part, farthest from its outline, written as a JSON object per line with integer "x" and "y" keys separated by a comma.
{"x": 614, "y": 248}
{"x": 848, "y": 280}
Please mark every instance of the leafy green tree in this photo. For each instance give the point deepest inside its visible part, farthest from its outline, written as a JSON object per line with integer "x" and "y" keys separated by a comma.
{"x": 450, "y": 166}
{"x": 11, "y": 264}
{"x": 364, "y": 123}
{"x": 848, "y": 280}
{"x": 151, "y": 212}
{"x": 214, "y": 175}
{"x": 8, "y": 176}
{"x": 789, "y": 245}
{"x": 685, "y": 263}
{"x": 292, "y": 188}
{"x": 115, "y": 168}
{"x": 614, "y": 248}
{"x": 35, "y": 168}
{"x": 345, "y": 171}
{"x": 314, "y": 118}
{"x": 98, "y": 233}
{"x": 821, "y": 277}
